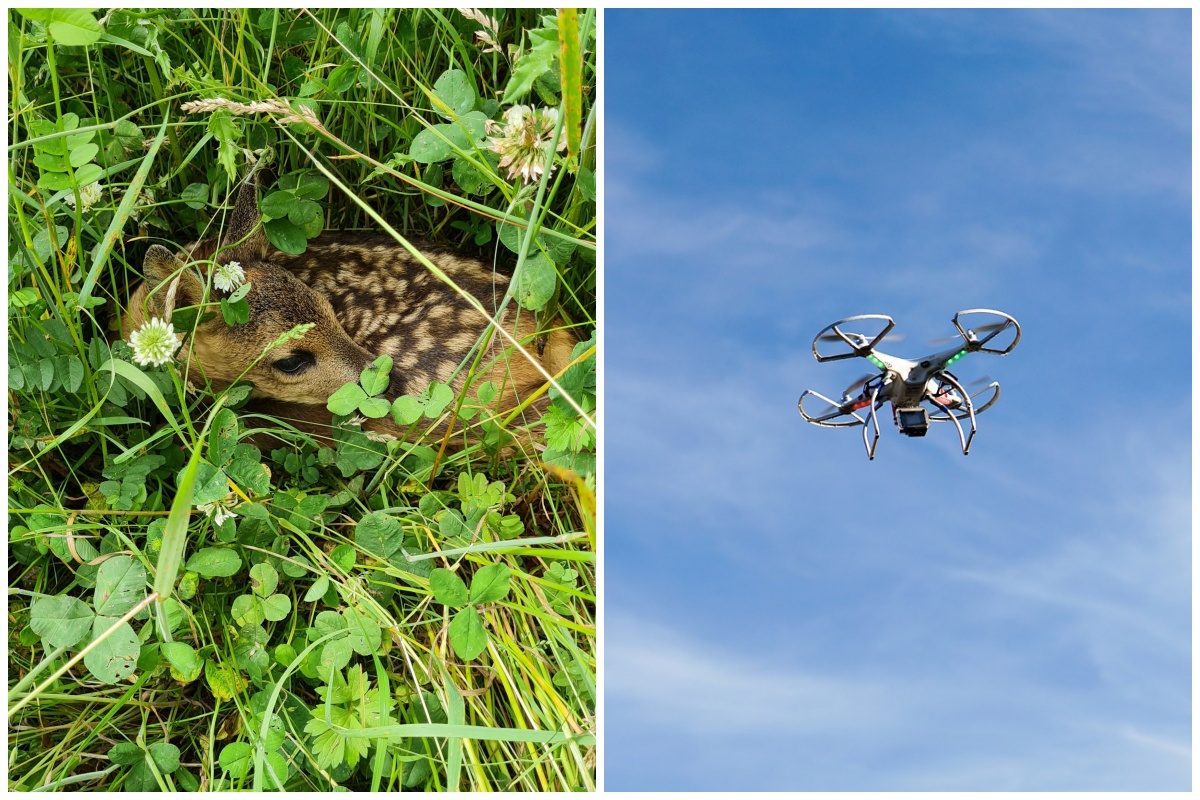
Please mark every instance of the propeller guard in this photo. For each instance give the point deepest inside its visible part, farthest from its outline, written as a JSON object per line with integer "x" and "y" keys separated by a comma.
{"x": 979, "y": 345}
{"x": 950, "y": 414}
{"x": 870, "y": 438}
{"x": 964, "y": 438}
{"x": 822, "y": 419}
{"x": 856, "y": 349}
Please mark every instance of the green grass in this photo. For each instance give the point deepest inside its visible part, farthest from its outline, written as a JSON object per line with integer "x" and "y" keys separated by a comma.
{"x": 377, "y": 616}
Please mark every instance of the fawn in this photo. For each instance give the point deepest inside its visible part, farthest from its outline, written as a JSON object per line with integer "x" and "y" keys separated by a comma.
{"x": 367, "y": 296}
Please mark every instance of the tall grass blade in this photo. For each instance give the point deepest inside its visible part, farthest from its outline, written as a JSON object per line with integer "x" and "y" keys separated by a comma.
{"x": 115, "y": 228}
{"x": 455, "y": 715}
{"x": 175, "y": 536}
{"x": 571, "y": 64}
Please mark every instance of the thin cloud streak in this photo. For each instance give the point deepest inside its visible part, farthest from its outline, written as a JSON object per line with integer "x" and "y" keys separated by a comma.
{"x": 958, "y": 727}
{"x": 672, "y": 682}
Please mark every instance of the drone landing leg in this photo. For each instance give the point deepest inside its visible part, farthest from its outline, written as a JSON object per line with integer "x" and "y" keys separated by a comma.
{"x": 873, "y": 417}
{"x": 965, "y": 441}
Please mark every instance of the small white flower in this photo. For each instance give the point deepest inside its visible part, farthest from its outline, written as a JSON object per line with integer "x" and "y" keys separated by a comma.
{"x": 154, "y": 343}
{"x": 228, "y": 277}
{"x": 219, "y": 510}
{"x": 524, "y": 141}
{"x": 88, "y": 195}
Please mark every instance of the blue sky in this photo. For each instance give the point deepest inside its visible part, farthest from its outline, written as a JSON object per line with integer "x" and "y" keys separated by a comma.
{"x": 781, "y": 613}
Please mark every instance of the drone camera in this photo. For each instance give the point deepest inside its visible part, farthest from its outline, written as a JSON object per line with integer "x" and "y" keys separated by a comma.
{"x": 913, "y": 421}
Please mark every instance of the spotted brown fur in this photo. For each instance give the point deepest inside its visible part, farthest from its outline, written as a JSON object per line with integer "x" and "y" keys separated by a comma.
{"x": 367, "y": 296}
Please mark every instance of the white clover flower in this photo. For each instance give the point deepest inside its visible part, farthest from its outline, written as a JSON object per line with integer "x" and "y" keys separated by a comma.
{"x": 228, "y": 277}
{"x": 154, "y": 343}
{"x": 219, "y": 510}
{"x": 88, "y": 195}
{"x": 524, "y": 141}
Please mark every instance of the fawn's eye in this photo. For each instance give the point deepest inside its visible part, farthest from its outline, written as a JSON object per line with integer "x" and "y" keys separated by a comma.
{"x": 294, "y": 363}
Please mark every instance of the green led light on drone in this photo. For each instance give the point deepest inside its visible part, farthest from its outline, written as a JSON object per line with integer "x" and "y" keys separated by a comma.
{"x": 956, "y": 357}
{"x": 876, "y": 361}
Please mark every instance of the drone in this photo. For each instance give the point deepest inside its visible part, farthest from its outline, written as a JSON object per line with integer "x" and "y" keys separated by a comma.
{"x": 905, "y": 383}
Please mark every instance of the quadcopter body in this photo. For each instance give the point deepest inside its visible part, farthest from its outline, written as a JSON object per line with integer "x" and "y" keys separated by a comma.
{"x": 907, "y": 383}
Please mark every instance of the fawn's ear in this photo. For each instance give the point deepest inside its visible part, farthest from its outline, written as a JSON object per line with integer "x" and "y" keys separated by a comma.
{"x": 245, "y": 235}
{"x": 161, "y": 267}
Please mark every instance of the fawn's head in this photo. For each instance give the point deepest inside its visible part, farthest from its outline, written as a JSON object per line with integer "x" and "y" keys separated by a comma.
{"x": 304, "y": 370}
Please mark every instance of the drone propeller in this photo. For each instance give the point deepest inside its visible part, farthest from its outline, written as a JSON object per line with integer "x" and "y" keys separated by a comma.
{"x": 980, "y": 332}
{"x": 827, "y": 410}
{"x": 970, "y": 387}
{"x": 833, "y": 409}
{"x": 853, "y": 388}
{"x": 833, "y": 337}
{"x": 830, "y": 414}
{"x": 986, "y": 329}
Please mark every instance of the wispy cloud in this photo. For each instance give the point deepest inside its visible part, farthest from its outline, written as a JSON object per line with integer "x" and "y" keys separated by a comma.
{"x": 667, "y": 680}
{"x": 1179, "y": 749}
{"x": 719, "y": 718}
{"x": 1117, "y": 59}
{"x": 735, "y": 261}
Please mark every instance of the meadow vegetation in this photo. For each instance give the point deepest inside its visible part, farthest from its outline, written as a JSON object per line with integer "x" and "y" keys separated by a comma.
{"x": 188, "y": 611}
